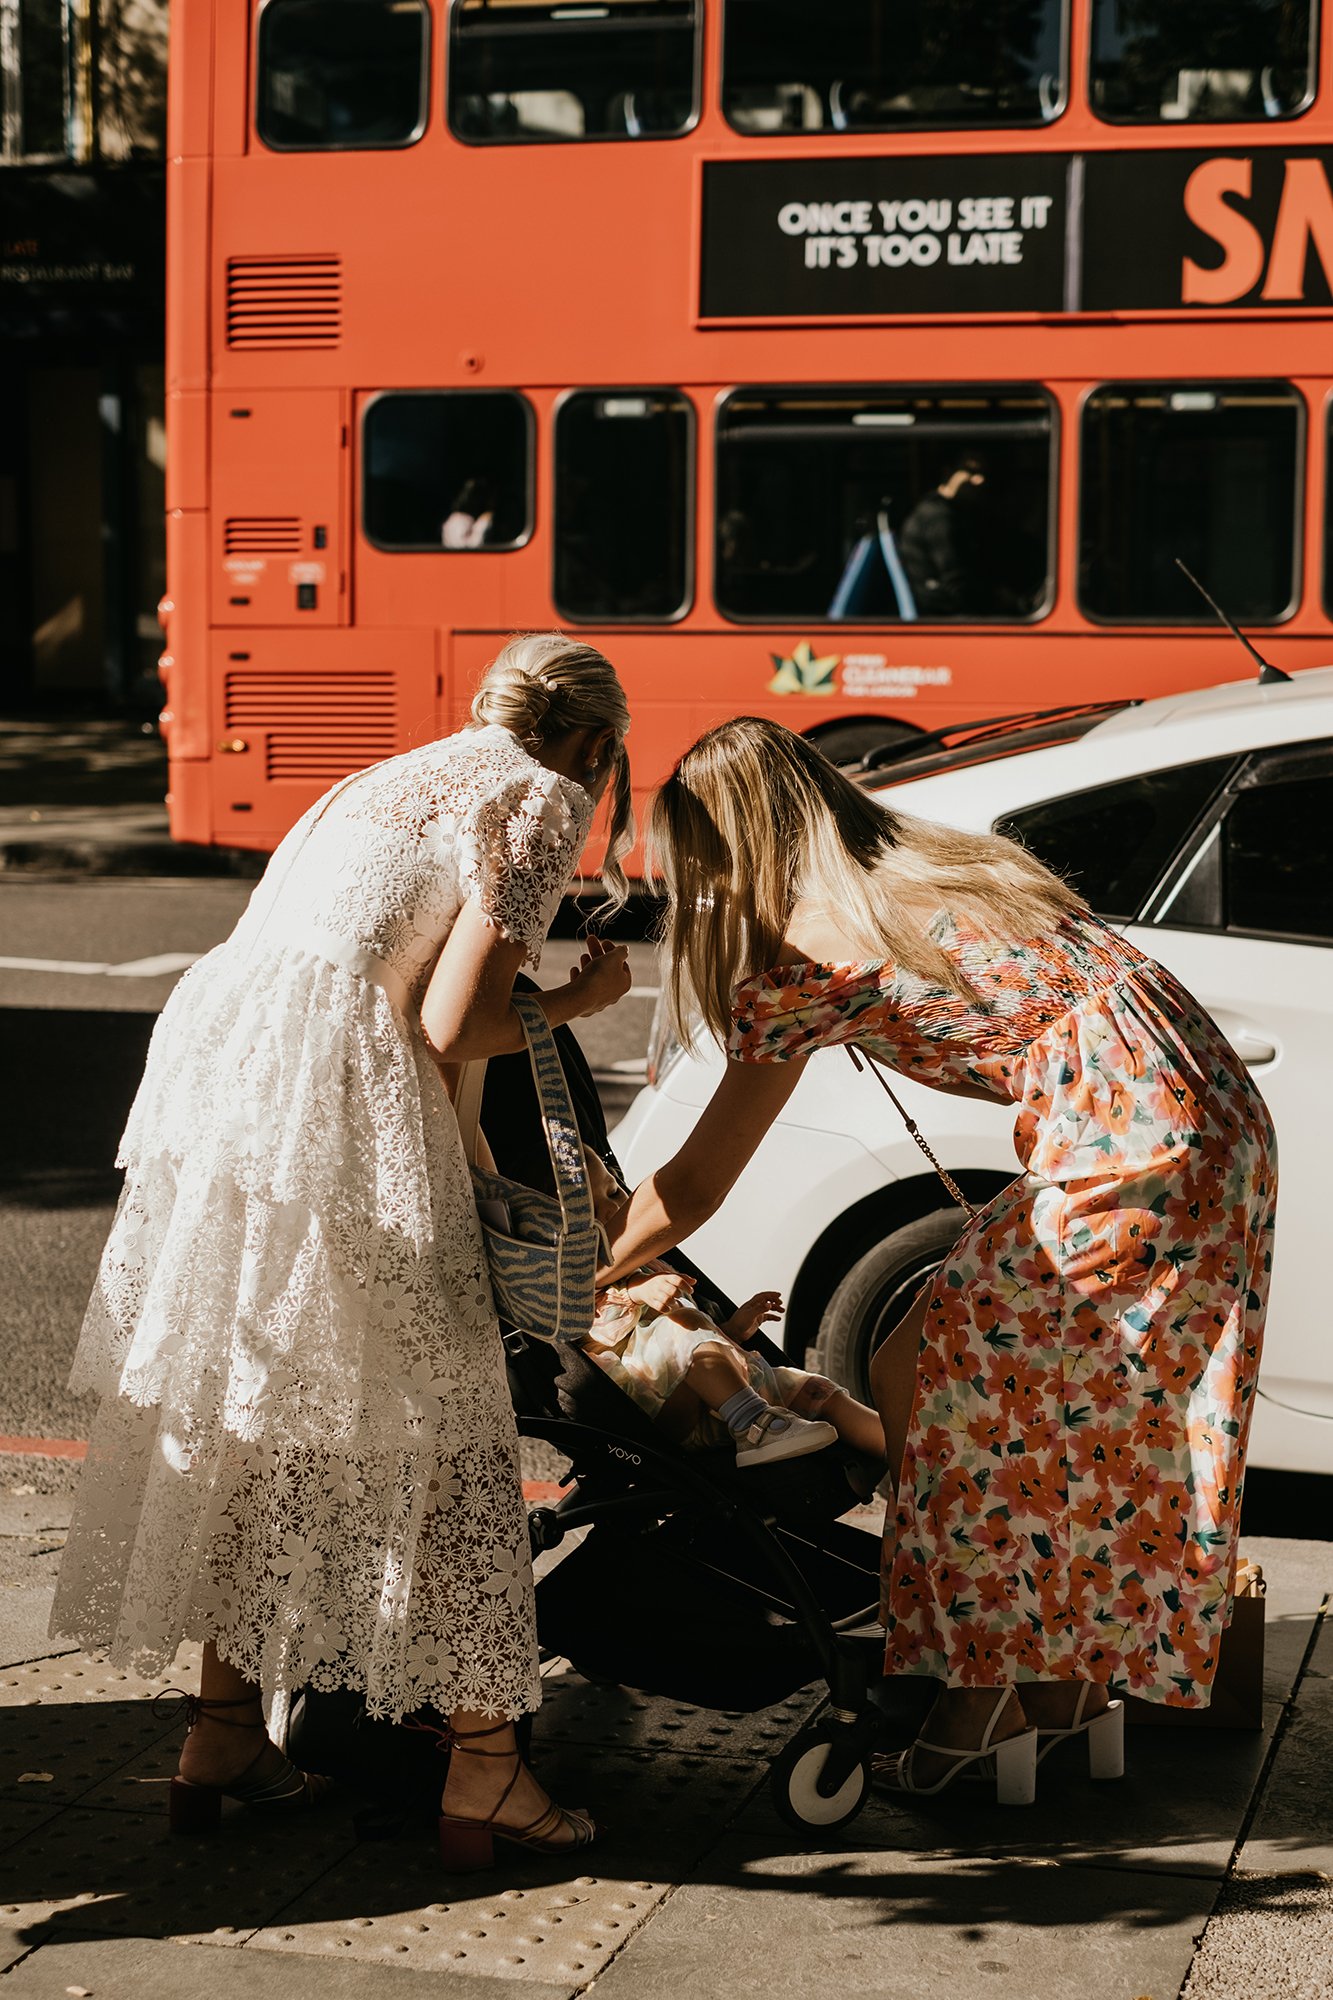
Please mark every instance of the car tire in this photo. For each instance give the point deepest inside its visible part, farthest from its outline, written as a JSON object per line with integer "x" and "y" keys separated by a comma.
{"x": 877, "y": 1291}
{"x": 848, "y": 743}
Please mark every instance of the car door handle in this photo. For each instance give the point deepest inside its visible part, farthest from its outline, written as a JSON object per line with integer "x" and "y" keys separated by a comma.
{"x": 1250, "y": 1043}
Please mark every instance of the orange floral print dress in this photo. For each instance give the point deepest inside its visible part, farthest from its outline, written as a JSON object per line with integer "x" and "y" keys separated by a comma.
{"x": 1072, "y": 1482}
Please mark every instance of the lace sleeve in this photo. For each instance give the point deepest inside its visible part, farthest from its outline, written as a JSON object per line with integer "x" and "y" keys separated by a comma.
{"x": 517, "y": 852}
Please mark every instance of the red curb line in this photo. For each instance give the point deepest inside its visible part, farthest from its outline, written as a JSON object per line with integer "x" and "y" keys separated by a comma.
{"x": 14, "y": 1447}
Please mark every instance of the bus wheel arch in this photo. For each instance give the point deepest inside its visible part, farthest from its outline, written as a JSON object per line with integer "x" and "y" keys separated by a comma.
{"x": 851, "y": 737}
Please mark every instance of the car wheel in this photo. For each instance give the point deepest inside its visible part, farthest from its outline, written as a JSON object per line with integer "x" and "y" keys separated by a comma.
{"x": 877, "y": 1291}
{"x": 795, "y": 1785}
{"x": 848, "y": 743}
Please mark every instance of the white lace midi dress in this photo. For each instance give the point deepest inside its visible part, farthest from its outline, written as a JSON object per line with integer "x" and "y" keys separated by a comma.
{"x": 305, "y": 1450}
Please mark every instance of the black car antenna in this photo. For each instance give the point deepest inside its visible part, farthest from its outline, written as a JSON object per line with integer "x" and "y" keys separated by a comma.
{"x": 1267, "y": 671}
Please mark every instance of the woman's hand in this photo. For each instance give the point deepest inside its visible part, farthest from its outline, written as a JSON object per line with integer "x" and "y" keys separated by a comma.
{"x": 601, "y": 977}
{"x": 466, "y": 1012}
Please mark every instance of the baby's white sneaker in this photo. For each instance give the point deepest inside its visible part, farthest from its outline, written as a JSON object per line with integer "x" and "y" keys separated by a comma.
{"x": 778, "y": 1435}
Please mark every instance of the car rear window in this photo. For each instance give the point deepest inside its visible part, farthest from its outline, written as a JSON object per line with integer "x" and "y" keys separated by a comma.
{"x": 1114, "y": 843}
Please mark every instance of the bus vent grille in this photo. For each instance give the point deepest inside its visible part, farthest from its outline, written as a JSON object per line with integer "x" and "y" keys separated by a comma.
{"x": 284, "y": 301}
{"x": 318, "y": 727}
{"x": 256, "y": 535}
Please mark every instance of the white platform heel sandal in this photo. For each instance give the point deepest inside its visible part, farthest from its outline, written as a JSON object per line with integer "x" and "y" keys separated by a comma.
{"x": 1013, "y": 1760}
{"x": 1105, "y": 1732}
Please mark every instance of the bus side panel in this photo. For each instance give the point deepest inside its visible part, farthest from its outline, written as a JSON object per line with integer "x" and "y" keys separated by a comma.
{"x": 187, "y": 266}
{"x": 190, "y": 82}
{"x": 183, "y": 665}
{"x": 277, "y": 508}
{"x": 294, "y": 711}
{"x": 187, "y": 459}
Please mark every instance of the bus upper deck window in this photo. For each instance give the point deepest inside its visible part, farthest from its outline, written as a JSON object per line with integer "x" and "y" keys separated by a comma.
{"x": 447, "y": 470}
{"x": 1206, "y": 471}
{"x": 884, "y": 506}
{"x": 342, "y": 73}
{"x": 1166, "y": 61}
{"x": 624, "y": 464}
{"x": 621, "y": 69}
{"x": 864, "y": 66}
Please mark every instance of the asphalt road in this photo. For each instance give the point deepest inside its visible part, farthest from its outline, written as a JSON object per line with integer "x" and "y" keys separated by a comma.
{"x": 85, "y": 967}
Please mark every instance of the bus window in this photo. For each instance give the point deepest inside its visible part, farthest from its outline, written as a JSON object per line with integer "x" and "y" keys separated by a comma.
{"x": 624, "y": 69}
{"x": 1206, "y": 473}
{"x": 862, "y": 66}
{"x": 624, "y": 466}
{"x": 337, "y": 73}
{"x": 884, "y": 505}
{"x": 1177, "y": 60}
{"x": 447, "y": 469}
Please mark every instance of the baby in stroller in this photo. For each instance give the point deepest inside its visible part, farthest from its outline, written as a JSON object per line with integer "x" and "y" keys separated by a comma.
{"x": 693, "y": 1375}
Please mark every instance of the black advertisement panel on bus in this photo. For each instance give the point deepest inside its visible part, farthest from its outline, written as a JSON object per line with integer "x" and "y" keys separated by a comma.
{"x": 875, "y": 237}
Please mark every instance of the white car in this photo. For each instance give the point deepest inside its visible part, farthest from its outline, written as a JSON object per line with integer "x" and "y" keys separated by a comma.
{"x": 1200, "y": 824}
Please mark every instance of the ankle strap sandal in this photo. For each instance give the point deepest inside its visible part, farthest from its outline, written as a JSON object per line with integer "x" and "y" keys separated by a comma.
{"x": 468, "y": 1845}
{"x": 269, "y": 1780}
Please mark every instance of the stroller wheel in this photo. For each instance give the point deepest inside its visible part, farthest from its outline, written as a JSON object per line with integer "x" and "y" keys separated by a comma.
{"x": 795, "y": 1779}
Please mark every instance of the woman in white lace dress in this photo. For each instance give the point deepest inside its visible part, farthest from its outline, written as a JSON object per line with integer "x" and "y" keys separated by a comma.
{"x": 305, "y": 1454}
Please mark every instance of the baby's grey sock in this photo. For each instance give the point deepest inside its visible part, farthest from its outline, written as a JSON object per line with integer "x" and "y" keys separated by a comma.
{"x": 743, "y": 1409}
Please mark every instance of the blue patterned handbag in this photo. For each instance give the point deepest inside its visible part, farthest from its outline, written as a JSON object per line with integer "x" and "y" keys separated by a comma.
{"x": 543, "y": 1249}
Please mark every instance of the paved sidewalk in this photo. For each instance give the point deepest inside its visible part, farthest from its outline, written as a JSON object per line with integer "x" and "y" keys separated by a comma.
{"x": 1205, "y": 1873}
{"x": 86, "y": 795}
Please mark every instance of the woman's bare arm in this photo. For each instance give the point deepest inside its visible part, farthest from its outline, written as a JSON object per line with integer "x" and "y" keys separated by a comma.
{"x": 466, "y": 1013}
{"x": 681, "y": 1196}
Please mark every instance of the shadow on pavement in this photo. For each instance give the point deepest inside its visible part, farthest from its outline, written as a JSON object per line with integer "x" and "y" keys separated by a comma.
{"x": 72, "y": 1078}
{"x": 73, "y": 761}
{"x": 88, "y": 1850}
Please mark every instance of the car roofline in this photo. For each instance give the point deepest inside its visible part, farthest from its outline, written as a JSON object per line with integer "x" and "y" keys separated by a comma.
{"x": 982, "y": 730}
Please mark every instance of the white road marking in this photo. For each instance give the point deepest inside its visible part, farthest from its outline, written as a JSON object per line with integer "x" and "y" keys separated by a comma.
{"x": 150, "y": 968}
{"x": 132, "y": 968}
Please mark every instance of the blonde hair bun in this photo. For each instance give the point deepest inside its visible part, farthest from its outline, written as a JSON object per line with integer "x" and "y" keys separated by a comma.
{"x": 541, "y": 686}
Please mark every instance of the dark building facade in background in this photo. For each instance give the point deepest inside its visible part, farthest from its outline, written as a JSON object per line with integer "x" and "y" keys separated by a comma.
{"x": 83, "y": 87}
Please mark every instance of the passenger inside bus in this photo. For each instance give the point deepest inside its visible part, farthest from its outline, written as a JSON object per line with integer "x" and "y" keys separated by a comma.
{"x": 471, "y": 518}
{"x": 938, "y": 539}
{"x": 891, "y": 505}
{"x": 447, "y": 469}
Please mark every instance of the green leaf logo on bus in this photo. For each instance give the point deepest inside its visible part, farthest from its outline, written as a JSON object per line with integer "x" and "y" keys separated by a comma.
{"x": 803, "y": 672}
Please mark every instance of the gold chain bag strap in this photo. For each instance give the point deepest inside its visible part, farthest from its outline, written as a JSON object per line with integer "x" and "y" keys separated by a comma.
{"x": 863, "y": 1060}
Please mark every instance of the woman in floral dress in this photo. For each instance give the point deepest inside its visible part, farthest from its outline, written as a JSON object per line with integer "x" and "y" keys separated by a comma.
{"x": 305, "y": 1454}
{"x": 1067, "y": 1404}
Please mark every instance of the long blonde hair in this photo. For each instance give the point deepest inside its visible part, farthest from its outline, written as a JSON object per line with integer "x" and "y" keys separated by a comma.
{"x": 542, "y": 685}
{"x": 754, "y": 820}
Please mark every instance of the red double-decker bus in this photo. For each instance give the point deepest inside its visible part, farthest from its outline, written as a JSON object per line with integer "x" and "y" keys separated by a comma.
{"x": 865, "y": 365}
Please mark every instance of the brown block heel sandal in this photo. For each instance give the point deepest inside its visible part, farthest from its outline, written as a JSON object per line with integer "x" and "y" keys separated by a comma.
{"x": 279, "y": 1785}
{"x": 468, "y": 1845}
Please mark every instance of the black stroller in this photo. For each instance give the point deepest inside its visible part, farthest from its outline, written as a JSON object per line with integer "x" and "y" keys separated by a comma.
{"x": 723, "y": 1588}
